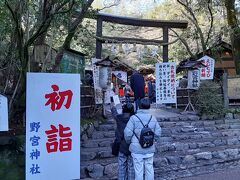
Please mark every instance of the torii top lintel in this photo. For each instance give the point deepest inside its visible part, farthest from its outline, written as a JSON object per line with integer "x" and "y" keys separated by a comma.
{"x": 142, "y": 22}
{"x": 164, "y": 24}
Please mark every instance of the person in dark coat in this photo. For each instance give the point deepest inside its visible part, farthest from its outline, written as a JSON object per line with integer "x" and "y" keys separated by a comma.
{"x": 125, "y": 163}
{"x": 137, "y": 85}
{"x": 150, "y": 91}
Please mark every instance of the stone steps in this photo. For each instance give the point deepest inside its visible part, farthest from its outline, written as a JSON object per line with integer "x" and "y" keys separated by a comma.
{"x": 171, "y": 167}
{"x": 194, "y": 171}
{"x": 184, "y": 126}
{"x": 179, "y": 117}
{"x": 179, "y": 148}
{"x": 199, "y": 124}
{"x": 101, "y": 139}
{"x": 168, "y": 154}
{"x": 188, "y": 146}
{"x": 166, "y": 142}
{"x": 185, "y": 130}
{"x": 195, "y": 165}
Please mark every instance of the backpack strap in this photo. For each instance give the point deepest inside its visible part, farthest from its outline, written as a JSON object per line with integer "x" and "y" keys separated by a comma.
{"x": 142, "y": 122}
{"x": 149, "y": 120}
{"x": 136, "y": 136}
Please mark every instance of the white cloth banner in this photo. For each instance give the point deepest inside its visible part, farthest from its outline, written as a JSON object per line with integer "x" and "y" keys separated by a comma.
{"x": 97, "y": 89}
{"x": 53, "y": 126}
{"x": 194, "y": 79}
{"x": 3, "y": 113}
{"x": 208, "y": 71}
{"x": 166, "y": 83}
{"x": 121, "y": 75}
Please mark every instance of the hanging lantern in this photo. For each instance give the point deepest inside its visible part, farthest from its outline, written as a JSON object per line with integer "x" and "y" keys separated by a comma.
{"x": 105, "y": 77}
{"x": 120, "y": 48}
{"x": 105, "y": 73}
{"x": 154, "y": 51}
{"x": 114, "y": 49}
{"x": 145, "y": 50}
{"x": 159, "y": 50}
{"x": 139, "y": 53}
{"x": 134, "y": 47}
{"x": 126, "y": 49}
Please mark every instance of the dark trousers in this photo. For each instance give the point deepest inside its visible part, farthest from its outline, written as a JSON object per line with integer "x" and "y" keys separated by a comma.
{"x": 137, "y": 102}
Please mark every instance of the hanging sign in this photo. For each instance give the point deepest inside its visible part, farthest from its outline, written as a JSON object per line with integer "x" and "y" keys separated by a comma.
{"x": 194, "y": 79}
{"x": 97, "y": 89}
{"x": 3, "y": 113}
{"x": 53, "y": 126}
{"x": 116, "y": 99}
{"x": 166, "y": 83}
{"x": 208, "y": 71}
{"x": 121, "y": 75}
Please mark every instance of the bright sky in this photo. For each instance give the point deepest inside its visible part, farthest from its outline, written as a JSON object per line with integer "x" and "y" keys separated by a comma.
{"x": 134, "y": 8}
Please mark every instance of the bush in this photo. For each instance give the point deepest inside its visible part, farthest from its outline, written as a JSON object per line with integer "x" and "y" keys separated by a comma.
{"x": 209, "y": 99}
{"x": 12, "y": 159}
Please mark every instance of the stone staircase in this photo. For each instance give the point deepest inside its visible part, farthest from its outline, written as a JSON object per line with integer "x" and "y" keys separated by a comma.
{"x": 188, "y": 146}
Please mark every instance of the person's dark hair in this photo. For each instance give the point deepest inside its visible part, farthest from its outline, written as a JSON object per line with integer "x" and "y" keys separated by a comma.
{"x": 144, "y": 104}
{"x": 128, "y": 108}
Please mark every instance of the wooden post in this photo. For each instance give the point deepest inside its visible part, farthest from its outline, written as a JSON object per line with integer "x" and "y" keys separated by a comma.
{"x": 165, "y": 47}
{"x": 225, "y": 90}
{"x": 98, "y": 42}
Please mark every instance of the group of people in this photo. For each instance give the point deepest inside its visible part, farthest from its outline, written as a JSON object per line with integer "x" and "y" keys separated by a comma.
{"x": 136, "y": 134}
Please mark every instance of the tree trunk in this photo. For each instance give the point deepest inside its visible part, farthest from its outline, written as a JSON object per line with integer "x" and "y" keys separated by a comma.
{"x": 235, "y": 32}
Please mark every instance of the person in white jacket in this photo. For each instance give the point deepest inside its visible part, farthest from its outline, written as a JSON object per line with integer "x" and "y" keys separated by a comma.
{"x": 142, "y": 157}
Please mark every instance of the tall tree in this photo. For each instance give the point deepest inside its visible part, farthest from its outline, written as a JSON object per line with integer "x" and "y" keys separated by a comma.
{"x": 31, "y": 22}
{"x": 234, "y": 31}
{"x": 205, "y": 24}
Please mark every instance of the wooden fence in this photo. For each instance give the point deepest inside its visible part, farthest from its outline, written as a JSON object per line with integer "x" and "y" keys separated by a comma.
{"x": 182, "y": 96}
{"x": 233, "y": 91}
{"x": 88, "y": 107}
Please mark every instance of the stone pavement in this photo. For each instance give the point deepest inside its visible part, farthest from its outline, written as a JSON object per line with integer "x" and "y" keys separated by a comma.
{"x": 164, "y": 113}
{"x": 229, "y": 174}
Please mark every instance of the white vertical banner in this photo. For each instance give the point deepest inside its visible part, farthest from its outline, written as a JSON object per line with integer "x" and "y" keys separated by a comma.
{"x": 166, "y": 83}
{"x": 3, "y": 113}
{"x": 97, "y": 89}
{"x": 107, "y": 95}
{"x": 208, "y": 71}
{"x": 194, "y": 79}
{"x": 53, "y": 126}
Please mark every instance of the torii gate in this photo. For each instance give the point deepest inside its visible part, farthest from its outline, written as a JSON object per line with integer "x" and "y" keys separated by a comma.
{"x": 164, "y": 24}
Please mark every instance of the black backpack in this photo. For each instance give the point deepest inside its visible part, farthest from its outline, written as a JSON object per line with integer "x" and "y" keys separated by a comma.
{"x": 146, "y": 136}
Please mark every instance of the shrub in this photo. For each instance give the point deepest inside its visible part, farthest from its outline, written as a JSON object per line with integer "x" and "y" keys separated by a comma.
{"x": 209, "y": 99}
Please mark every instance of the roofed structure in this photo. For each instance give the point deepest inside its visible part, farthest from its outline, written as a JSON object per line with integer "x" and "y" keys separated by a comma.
{"x": 222, "y": 53}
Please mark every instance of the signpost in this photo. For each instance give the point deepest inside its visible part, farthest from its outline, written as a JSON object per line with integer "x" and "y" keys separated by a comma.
{"x": 53, "y": 126}
{"x": 208, "y": 71}
{"x": 166, "y": 83}
{"x": 193, "y": 79}
{"x": 97, "y": 89}
{"x": 3, "y": 113}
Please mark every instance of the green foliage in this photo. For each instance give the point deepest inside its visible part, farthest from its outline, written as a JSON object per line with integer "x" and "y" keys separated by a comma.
{"x": 12, "y": 159}
{"x": 87, "y": 121}
{"x": 209, "y": 99}
{"x": 234, "y": 111}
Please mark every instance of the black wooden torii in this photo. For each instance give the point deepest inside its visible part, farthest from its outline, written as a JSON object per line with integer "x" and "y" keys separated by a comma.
{"x": 164, "y": 24}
